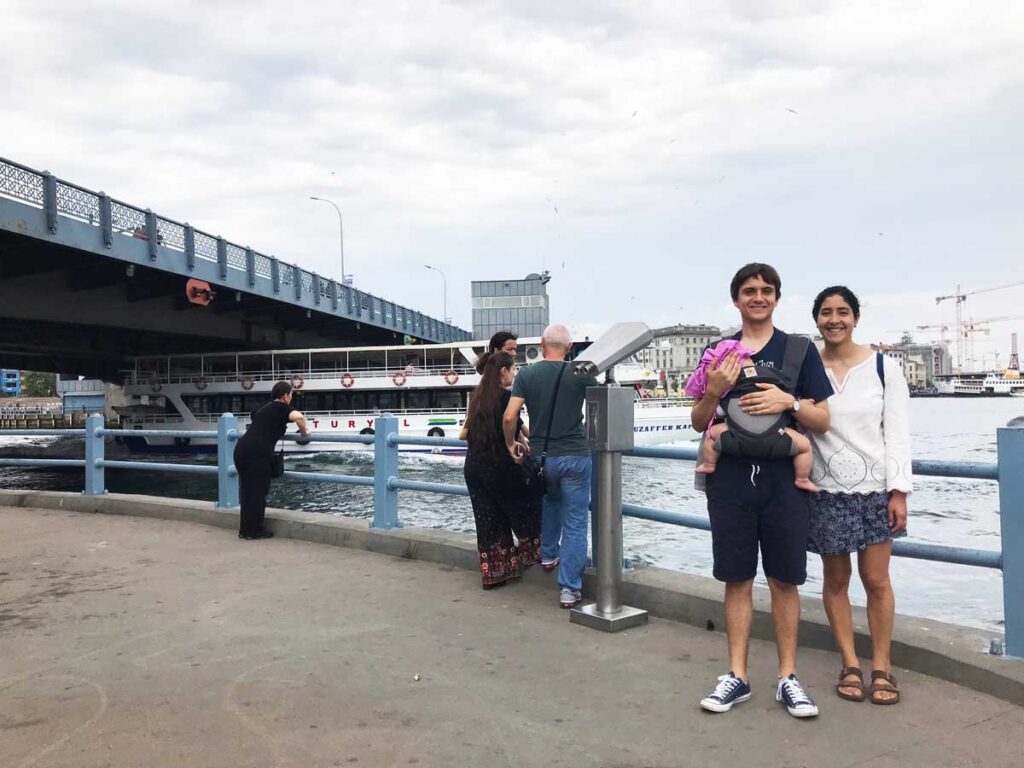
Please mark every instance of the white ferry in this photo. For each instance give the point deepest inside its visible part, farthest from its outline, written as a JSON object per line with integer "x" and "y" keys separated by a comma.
{"x": 998, "y": 384}
{"x": 343, "y": 390}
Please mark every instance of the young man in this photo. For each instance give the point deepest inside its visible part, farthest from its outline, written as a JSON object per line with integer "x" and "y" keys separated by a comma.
{"x": 554, "y": 397}
{"x": 752, "y": 502}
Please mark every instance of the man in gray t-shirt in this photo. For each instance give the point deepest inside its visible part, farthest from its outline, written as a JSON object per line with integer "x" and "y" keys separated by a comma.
{"x": 567, "y": 467}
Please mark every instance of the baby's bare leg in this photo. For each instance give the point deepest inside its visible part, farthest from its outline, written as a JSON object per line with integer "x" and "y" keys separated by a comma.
{"x": 803, "y": 461}
{"x": 710, "y": 462}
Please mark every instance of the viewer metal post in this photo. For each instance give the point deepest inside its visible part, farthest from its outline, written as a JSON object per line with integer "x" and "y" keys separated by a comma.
{"x": 385, "y": 469}
{"x": 609, "y": 433}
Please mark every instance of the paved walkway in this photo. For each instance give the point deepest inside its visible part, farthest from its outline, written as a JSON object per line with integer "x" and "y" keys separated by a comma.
{"x": 141, "y": 642}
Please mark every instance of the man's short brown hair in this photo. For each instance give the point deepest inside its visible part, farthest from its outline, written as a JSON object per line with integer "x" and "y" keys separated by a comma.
{"x": 765, "y": 271}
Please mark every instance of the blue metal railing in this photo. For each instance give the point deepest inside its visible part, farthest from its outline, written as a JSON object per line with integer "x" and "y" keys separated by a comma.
{"x": 59, "y": 198}
{"x": 1008, "y": 471}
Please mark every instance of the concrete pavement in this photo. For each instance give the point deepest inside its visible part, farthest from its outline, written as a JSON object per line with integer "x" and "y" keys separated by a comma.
{"x": 129, "y": 641}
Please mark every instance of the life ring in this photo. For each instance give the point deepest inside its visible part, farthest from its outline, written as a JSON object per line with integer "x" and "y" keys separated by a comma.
{"x": 435, "y": 432}
{"x": 247, "y": 383}
{"x": 155, "y": 384}
{"x": 347, "y": 380}
{"x": 399, "y": 379}
{"x": 201, "y": 383}
{"x": 297, "y": 381}
{"x": 451, "y": 377}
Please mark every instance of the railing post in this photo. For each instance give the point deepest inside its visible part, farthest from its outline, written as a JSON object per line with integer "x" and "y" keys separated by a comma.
{"x": 50, "y": 201}
{"x": 250, "y": 266}
{"x": 275, "y": 274}
{"x": 385, "y": 467}
{"x": 1010, "y": 442}
{"x": 297, "y": 279}
{"x": 153, "y": 230}
{"x": 227, "y": 475}
{"x": 106, "y": 219}
{"x": 95, "y": 482}
{"x": 222, "y": 258}
{"x": 189, "y": 237}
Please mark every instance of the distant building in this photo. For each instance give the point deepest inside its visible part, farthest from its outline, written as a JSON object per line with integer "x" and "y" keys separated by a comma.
{"x": 920, "y": 363}
{"x": 519, "y": 306}
{"x": 676, "y": 351}
{"x": 10, "y": 382}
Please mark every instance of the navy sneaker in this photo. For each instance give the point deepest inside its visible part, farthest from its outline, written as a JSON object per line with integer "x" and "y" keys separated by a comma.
{"x": 792, "y": 694}
{"x": 730, "y": 690}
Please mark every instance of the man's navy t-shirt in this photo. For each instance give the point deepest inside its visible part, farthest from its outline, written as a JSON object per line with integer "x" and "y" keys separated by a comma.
{"x": 812, "y": 383}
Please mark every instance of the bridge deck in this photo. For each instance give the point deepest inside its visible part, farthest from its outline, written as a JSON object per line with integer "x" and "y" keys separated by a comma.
{"x": 130, "y": 641}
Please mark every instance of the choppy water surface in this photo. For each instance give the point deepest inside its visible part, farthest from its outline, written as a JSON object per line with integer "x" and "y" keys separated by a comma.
{"x": 942, "y": 511}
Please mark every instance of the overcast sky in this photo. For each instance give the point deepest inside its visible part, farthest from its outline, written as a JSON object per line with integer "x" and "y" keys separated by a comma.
{"x": 641, "y": 151}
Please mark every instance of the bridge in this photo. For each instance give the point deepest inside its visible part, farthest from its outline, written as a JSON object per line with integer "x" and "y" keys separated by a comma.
{"x": 87, "y": 280}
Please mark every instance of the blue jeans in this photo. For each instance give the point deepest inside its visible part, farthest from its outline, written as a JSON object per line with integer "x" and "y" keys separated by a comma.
{"x": 566, "y": 511}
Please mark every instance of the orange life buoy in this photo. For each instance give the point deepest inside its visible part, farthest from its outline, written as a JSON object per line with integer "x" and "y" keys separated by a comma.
{"x": 451, "y": 377}
{"x": 399, "y": 379}
{"x": 297, "y": 381}
{"x": 201, "y": 383}
{"x": 247, "y": 383}
{"x": 347, "y": 380}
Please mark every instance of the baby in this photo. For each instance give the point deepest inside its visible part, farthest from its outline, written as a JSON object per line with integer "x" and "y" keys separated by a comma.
{"x": 696, "y": 386}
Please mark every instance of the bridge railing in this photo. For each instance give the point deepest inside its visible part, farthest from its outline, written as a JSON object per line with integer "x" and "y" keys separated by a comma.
{"x": 116, "y": 218}
{"x": 1007, "y": 471}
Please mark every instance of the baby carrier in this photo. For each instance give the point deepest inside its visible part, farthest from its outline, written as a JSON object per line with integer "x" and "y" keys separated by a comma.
{"x": 753, "y": 436}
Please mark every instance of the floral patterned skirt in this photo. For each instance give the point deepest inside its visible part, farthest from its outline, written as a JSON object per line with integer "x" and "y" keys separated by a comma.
{"x": 842, "y": 523}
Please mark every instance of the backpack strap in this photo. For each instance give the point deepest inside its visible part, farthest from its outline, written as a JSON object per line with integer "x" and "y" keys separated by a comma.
{"x": 880, "y": 368}
{"x": 792, "y": 361}
{"x": 551, "y": 417}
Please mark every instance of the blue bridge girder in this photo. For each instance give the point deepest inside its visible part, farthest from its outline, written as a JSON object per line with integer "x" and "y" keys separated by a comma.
{"x": 87, "y": 280}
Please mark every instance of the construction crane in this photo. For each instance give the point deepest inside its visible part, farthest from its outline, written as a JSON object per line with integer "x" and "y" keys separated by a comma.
{"x": 965, "y": 333}
{"x": 960, "y": 297}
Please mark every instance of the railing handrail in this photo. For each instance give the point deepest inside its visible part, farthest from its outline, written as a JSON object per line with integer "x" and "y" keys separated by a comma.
{"x": 386, "y": 484}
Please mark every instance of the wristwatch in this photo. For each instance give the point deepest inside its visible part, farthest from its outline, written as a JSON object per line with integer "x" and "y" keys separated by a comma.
{"x": 796, "y": 405}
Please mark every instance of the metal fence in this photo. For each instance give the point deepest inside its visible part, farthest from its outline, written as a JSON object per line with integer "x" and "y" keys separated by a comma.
{"x": 1007, "y": 471}
{"x": 114, "y": 218}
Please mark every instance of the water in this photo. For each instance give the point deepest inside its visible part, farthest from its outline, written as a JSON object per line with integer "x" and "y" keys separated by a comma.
{"x": 942, "y": 511}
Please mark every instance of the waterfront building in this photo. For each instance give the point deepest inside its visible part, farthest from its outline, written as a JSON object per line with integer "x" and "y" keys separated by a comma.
{"x": 921, "y": 363}
{"x": 519, "y": 306}
{"x": 10, "y": 382}
{"x": 676, "y": 351}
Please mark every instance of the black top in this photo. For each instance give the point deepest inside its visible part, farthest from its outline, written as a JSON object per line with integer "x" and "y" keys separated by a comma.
{"x": 499, "y": 447}
{"x": 268, "y": 426}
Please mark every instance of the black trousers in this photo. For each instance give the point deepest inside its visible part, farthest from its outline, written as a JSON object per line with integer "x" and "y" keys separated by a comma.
{"x": 253, "y": 486}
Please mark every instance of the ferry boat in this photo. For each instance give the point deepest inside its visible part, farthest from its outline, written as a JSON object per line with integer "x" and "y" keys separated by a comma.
{"x": 985, "y": 384}
{"x": 343, "y": 390}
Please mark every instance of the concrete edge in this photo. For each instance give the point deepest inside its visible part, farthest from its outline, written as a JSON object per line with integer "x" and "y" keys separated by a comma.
{"x": 945, "y": 651}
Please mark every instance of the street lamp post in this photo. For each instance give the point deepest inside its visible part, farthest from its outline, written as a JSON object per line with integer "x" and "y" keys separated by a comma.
{"x": 445, "y": 283}
{"x": 341, "y": 233}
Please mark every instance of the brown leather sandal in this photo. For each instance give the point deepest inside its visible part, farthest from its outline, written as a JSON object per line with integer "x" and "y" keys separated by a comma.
{"x": 888, "y": 685}
{"x": 857, "y": 684}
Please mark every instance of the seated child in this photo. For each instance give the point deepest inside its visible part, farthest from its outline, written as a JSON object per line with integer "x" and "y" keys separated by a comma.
{"x": 779, "y": 440}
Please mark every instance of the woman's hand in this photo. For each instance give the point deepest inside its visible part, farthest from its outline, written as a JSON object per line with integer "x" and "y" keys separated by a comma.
{"x": 897, "y": 511}
{"x": 524, "y": 442}
{"x": 515, "y": 450}
{"x": 770, "y": 400}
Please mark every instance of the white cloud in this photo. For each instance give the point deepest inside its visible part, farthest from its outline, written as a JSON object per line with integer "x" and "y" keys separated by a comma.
{"x": 449, "y": 133}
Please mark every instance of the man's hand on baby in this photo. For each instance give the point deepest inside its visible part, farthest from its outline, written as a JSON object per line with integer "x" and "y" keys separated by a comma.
{"x": 723, "y": 374}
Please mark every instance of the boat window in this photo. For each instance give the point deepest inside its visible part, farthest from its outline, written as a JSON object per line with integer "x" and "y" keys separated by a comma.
{"x": 358, "y": 401}
{"x": 387, "y": 400}
{"x": 447, "y": 399}
{"x": 417, "y": 399}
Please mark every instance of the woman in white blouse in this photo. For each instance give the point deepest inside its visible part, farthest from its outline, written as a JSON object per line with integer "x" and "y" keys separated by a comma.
{"x": 862, "y": 466}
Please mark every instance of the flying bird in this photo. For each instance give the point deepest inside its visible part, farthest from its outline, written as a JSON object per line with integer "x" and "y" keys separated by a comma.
{"x": 634, "y": 113}
{"x": 790, "y": 109}
{"x": 556, "y": 209}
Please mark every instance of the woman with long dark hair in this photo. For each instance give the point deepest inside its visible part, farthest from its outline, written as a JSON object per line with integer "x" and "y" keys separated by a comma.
{"x": 862, "y": 466}
{"x": 254, "y": 458}
{"x": 502, "y": 506}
